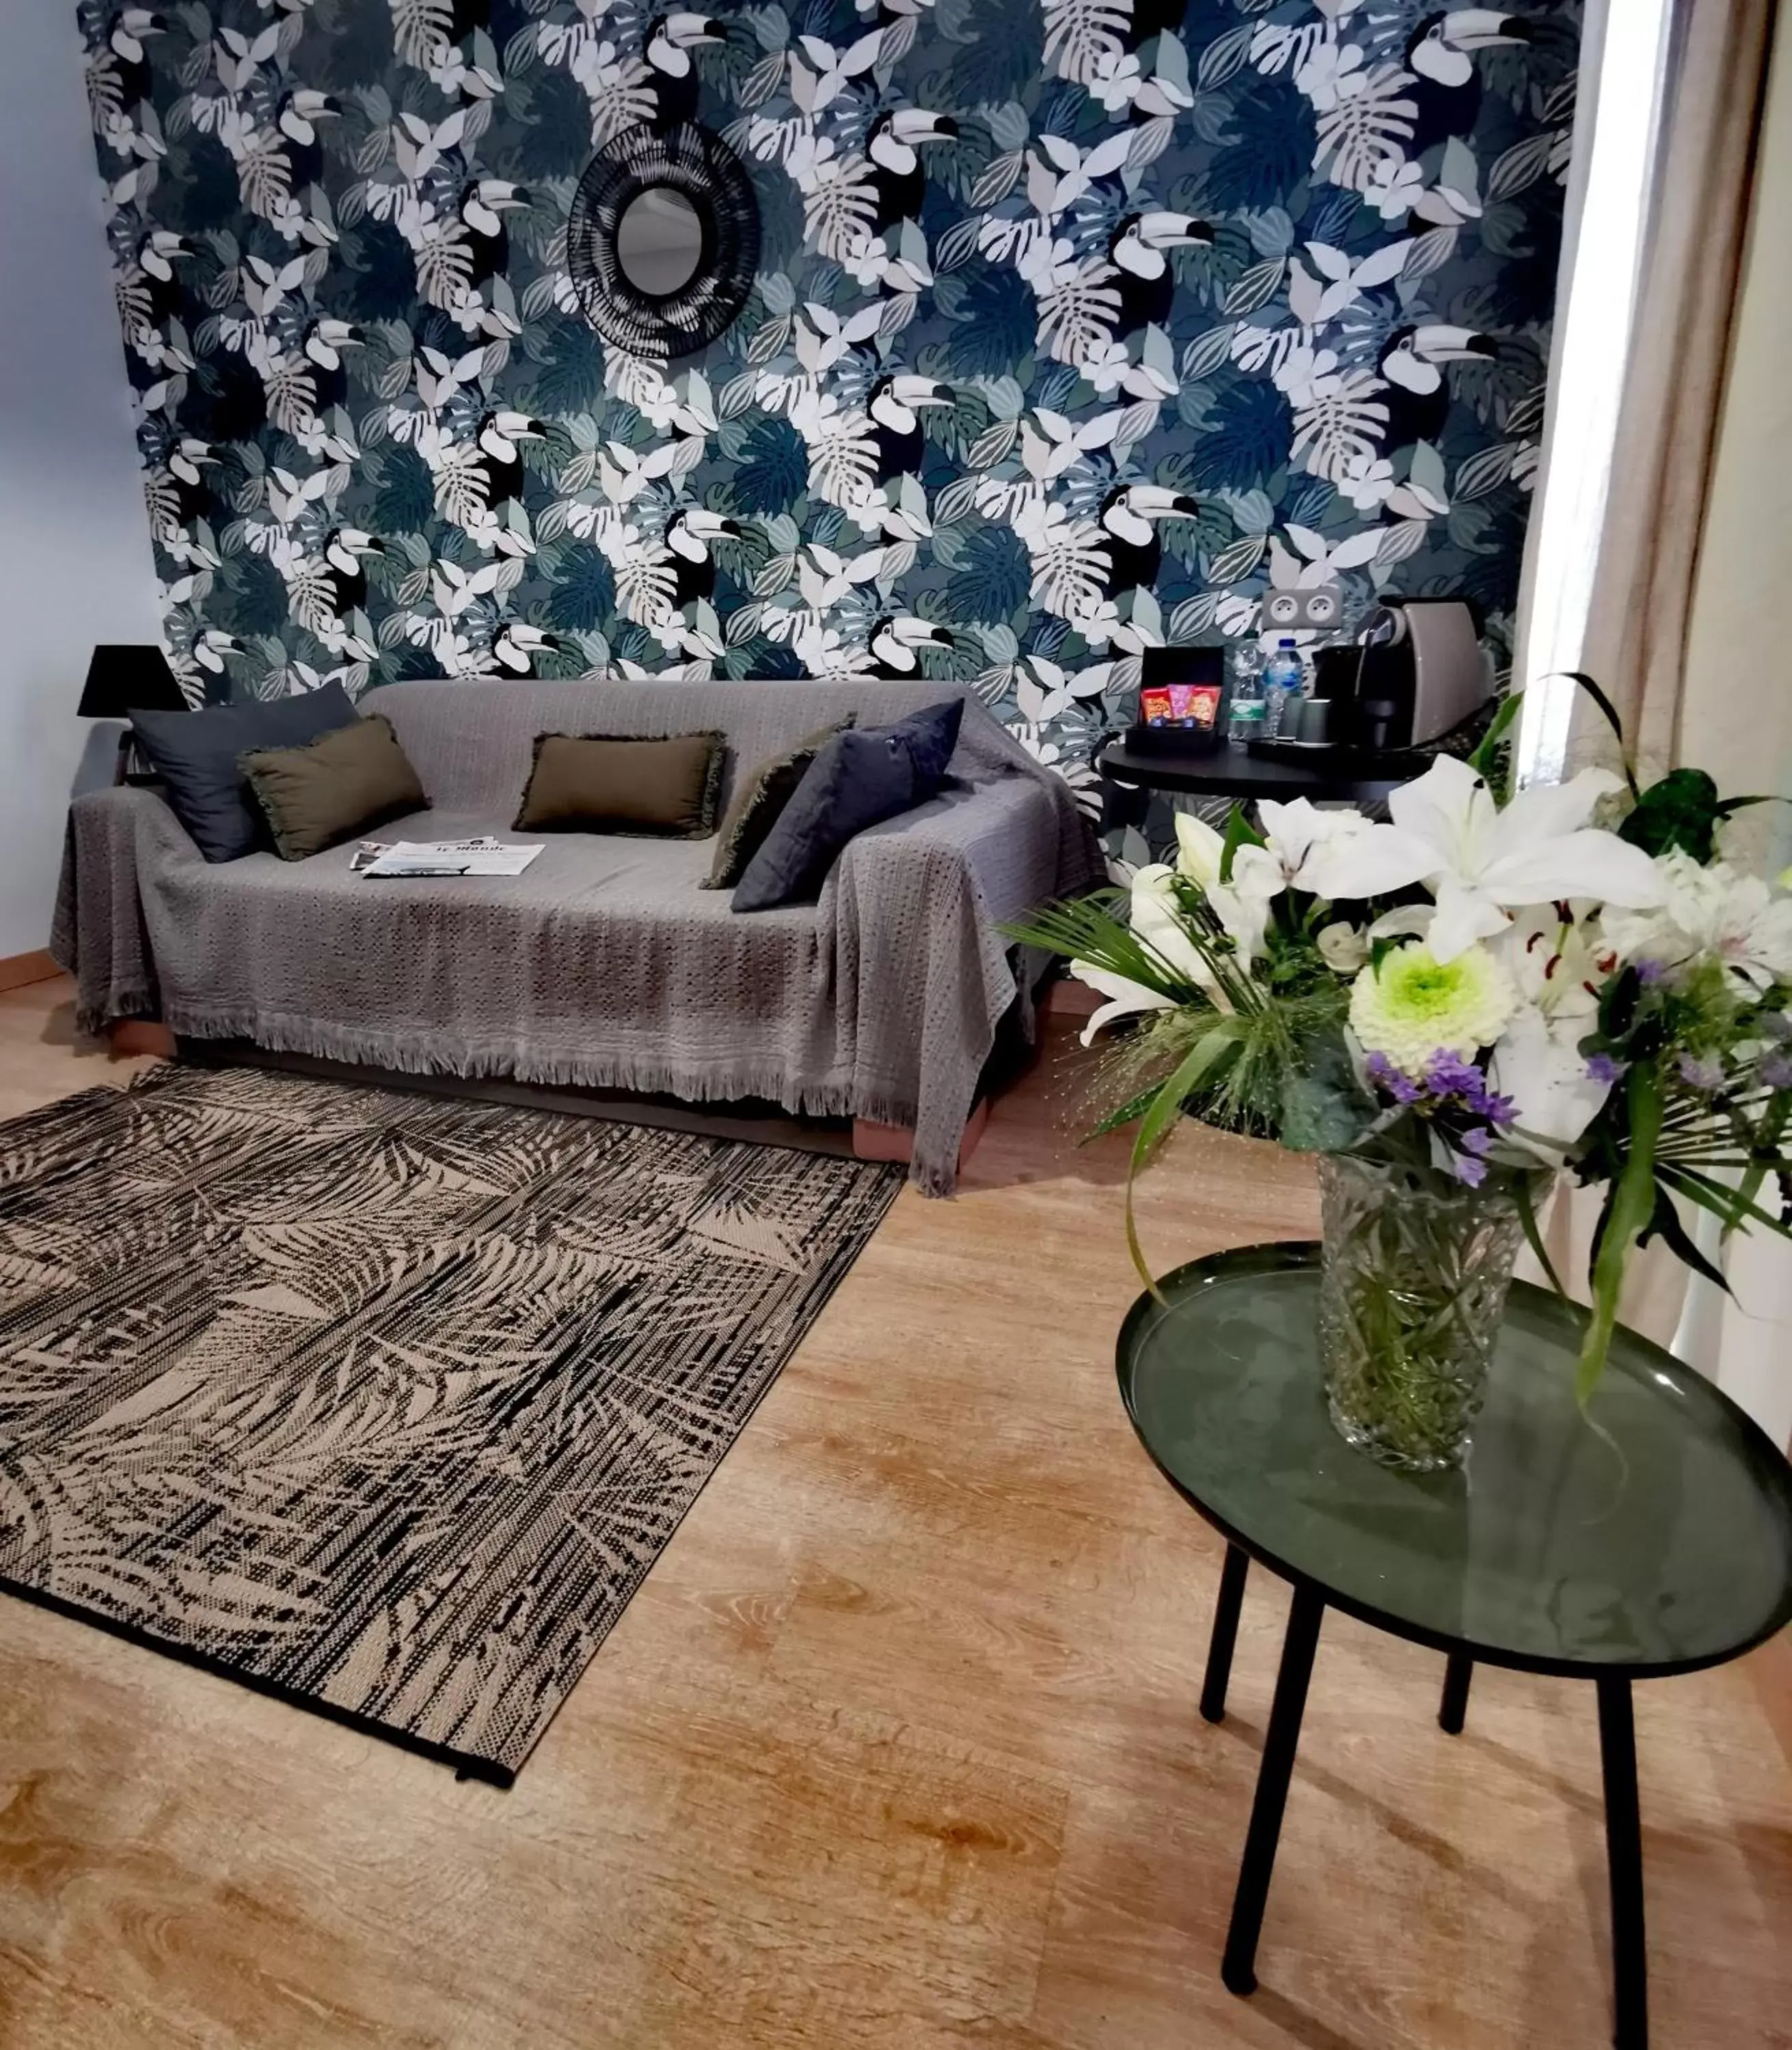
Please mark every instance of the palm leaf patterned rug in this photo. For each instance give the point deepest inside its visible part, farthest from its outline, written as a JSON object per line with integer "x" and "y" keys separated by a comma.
{"x": 382, "y": 1402}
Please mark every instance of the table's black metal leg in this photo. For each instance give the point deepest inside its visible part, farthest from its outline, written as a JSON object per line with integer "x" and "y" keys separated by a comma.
{"x": 1225, "y": 1633}
{"x": 1122, "y": 805}
{"x": 1238, "y": 1968}
{"x": 1630, "y": 1961}
{"x": 1455, "y": 1704}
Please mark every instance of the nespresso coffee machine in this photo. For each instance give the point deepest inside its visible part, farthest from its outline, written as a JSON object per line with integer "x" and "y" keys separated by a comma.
{"x": 1415, "y": 671}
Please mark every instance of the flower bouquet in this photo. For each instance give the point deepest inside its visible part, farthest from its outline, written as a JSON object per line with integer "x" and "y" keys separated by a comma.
{"x": 1454, "y": 1009}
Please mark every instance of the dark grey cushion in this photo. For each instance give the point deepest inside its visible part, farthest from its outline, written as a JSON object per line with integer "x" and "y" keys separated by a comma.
{"x": 765, "y": 789}
{"x": 858, "y": 780}
{"x": 195, "y": 753}
{"x": 930, "y": 736}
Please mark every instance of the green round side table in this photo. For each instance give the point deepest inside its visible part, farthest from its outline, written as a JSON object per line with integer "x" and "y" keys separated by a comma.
{"x": 1655, "y": 1539}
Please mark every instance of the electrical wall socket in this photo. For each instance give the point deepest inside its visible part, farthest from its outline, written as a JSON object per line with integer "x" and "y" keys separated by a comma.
{"x": 1319, "y": 610}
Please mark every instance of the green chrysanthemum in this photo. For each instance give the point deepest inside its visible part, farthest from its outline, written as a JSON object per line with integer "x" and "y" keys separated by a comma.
{"x": 1414, "y": 1004}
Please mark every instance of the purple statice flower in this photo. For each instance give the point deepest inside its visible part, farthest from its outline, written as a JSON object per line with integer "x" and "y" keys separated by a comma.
{"x": 1478, "y": 1140}
{"x": 1776, "y": 1071}
{"x": 1601, "y": 1068}
{"x": 1707, "y": 1075}
{"x": 1652, "y": 971}
{"x": 1382, "y": 1072}
{"x": 1497, "y": 1110}
{"x": 1451, "y": 1080}
{"x": 1469, "y": 1169}
{"x": 1447, "y": 1073}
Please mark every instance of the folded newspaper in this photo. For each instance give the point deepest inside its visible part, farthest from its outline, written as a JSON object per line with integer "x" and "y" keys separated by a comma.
{"x": 480, "y": 855}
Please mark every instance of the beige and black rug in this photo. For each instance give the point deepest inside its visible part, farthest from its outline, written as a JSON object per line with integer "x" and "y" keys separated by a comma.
{"x": 383, "y": 1403}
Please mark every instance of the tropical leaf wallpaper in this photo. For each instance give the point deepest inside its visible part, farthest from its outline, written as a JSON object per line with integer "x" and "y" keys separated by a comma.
{"x": 1078, "y": 322}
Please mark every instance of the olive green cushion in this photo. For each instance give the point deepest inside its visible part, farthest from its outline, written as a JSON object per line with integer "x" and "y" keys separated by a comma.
{"x": 333, "y": 788}
{"x": 764, "y": 791}
{"x": 608, "y": 783}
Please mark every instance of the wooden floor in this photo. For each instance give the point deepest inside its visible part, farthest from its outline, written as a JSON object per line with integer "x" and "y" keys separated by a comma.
{"x": 898, "y": 1747}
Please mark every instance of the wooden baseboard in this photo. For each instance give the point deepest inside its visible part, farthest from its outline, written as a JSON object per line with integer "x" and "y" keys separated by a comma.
{"x": 131, "y": 1036}
{"x": 16, "y": 970}
{"x": 896, "y": 1142}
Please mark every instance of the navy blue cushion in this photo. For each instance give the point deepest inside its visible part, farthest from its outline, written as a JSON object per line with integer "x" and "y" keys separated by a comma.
{"x": 195, "y": 753}
{"x": 858, "y": 780}
{"x": 930, "y": 736}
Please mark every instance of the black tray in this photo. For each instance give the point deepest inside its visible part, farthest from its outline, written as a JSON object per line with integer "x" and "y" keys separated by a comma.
{"x": 1172, "y": 743}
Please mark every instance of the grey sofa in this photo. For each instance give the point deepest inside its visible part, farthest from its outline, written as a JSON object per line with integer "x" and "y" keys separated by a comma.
{"x": 606, "y": 965}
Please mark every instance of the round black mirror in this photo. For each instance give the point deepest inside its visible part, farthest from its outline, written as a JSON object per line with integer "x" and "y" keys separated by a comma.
{"x": 659, "y": 241}
{"x": 663, "y": 239}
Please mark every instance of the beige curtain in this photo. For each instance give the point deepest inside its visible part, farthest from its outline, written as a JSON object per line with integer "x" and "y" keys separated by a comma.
{"x": 1637, "y": 627}
{"x": 1636, "y": 638}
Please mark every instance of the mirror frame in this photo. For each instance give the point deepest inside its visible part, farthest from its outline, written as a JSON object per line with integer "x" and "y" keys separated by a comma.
{"x": 701, "y": 168}
{"x": 699, "y": 262}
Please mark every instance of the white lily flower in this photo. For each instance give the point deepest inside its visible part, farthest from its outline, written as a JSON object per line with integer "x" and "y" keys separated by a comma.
{"x": 1126, "y": 998}
{"x": 1242, "y": 906}
{"x": 1301, "y": 837}
{"x": 1537, "y": 1063}
{"x": 1157, "y": 920}
{"x": 1710, "y": 914}
{"x": 1244, "y": 903}
{"x": 1199, "y": 851}
{"x": 1480, "y": 862}
{"x": 1558, "y": 965}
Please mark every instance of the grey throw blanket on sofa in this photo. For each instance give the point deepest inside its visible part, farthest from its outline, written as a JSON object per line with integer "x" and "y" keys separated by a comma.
{"x": 605, "y": 965}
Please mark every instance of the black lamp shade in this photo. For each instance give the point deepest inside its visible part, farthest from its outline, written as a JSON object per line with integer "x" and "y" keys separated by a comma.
{"x": 123, "y": 679}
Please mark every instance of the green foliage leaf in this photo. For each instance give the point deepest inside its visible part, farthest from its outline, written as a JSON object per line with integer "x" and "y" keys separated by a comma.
{"x": 1525, "y": 1195}
{"x": 1665, "y": 1225}
{"x": 1166, "y": 1107}
{"x": 1324, "y": 1108}
{"x": 1485, "y": 759}
{"x": 1090, "y": 928}
{"x": 1609, "y": 712}
{"x": 1629, "y": 1211}
{"x": 1239, "y": 833}
{"x": 1680, "y": 810}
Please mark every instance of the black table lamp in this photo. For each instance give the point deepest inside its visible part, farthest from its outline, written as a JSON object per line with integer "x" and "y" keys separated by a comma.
{"x": 123, "y": 679}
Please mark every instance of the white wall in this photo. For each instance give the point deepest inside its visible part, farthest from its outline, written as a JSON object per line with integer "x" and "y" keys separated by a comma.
{"x": 75, "y": 565}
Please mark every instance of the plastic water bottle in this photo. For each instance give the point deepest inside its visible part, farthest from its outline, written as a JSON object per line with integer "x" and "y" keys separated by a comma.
{"x": 1284, "y": 677}
{"x": 1244, "y": 716}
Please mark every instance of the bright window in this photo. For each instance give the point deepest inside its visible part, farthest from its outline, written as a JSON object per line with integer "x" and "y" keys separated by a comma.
{"x": 1594, "y": 325}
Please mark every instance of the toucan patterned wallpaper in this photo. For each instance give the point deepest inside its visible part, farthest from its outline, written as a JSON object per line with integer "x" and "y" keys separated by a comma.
{"x": 1078, "y": 322}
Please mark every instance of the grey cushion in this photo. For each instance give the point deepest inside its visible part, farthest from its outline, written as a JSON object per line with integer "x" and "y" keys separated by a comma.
{"x": 196, "y": 755}
{"x": 858, "y": 780}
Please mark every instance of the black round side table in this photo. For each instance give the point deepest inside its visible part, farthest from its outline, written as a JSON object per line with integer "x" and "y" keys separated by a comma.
{"x": 1654, "y": 1536}
{"x": 1234, "y": 770}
